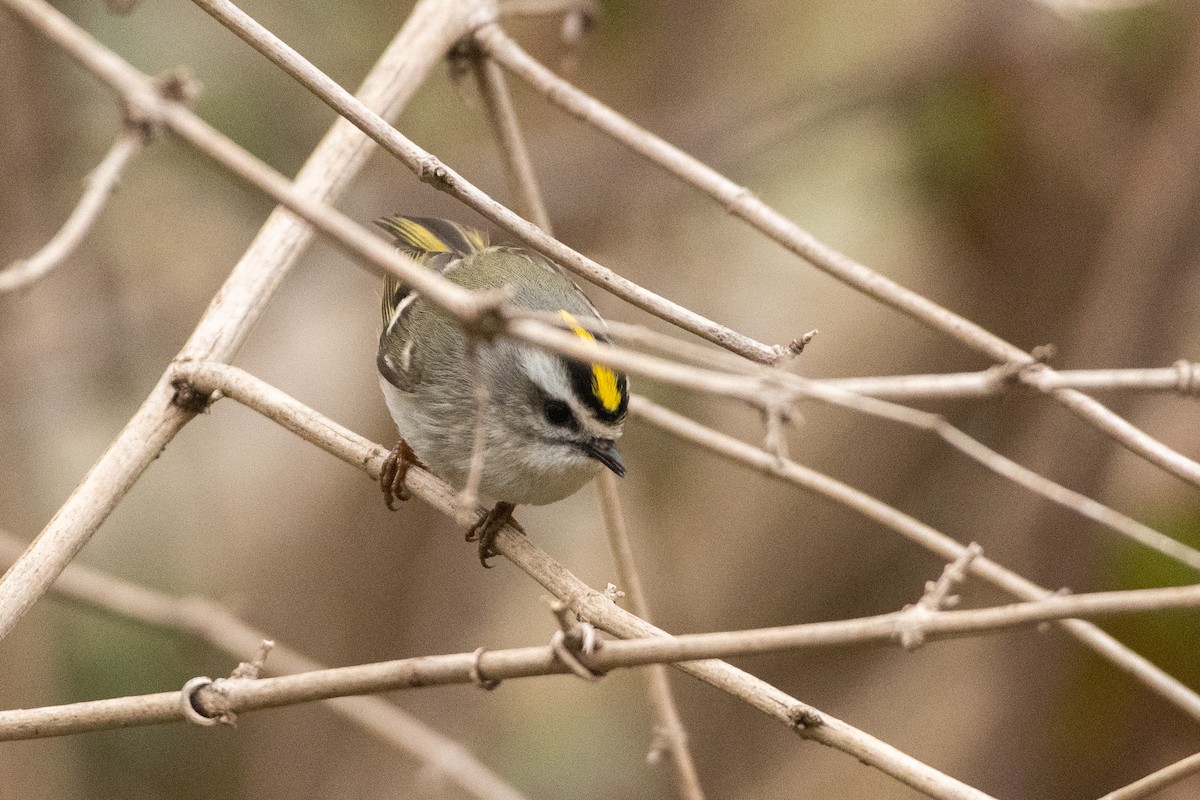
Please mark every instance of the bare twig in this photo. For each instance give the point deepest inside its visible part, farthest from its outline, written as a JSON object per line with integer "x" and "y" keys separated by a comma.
{"x": 1022, "y": 476}
{"x": 918, "y": 532}
{"x": 774, "y": 391}
{"x": 670, "y": 730}
{"x": 527, "y": 197}
{"x": 428, "y": 168}
{"x": 740, "y": 202}
{"x": 1183, "y": 377}
{"x": 671, "y": 734}
{"x": 246, "y": 692}
{"x": 98, "y": 187}
{"x": 1155, "y": 781}
{"x": 588, "y": 604}
{"x": 434, "y": 25}
{"x": 937, "y": 598}
{"x": 213, "y": 624}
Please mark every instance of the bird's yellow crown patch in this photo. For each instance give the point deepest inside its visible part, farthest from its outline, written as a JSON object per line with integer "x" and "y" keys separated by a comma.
{"x": 604, "y": 381}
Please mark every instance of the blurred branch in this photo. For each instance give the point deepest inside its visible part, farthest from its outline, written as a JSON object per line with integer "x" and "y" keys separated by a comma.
{"x": 361, "y": 243}
{"x": 589, "y": 605}
{"x": 212, "y": 623}
{"x": 671, "y": 734}
{"x": 1022, "y": 476}
{"x": 771, "y": 389}
{"x": 431, "y": 170}
{"x": 1068, "y": 7}
{"x": 1183, "y": 377}
{"x": 528, "y": 196}
{"x": 433, "y": 26}
{"x": 545, "y": 8}
{"x": 739, "y": 201}
{"x": 98, "y": 187}
{"x": 238, "y": 694}
{"x": 918, "y": 532}
{"x": 1155, "y": 781}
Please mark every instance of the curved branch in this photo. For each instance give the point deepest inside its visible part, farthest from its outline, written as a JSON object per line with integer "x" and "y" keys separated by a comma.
{"x": 918, "y": 532}
{"x": 742, "y": 203}
{"x": 588, "y": 604}
{"x": 98, "y": 187}
{"x": 213, "y": 624}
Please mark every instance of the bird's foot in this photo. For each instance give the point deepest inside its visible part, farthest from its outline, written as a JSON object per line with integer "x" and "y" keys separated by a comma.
{"x": 394, "y": 471}
{"x": 485, "y": 529}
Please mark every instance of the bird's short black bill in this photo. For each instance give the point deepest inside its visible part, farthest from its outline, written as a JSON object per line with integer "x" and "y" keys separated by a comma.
{"x": 605, "y": 451}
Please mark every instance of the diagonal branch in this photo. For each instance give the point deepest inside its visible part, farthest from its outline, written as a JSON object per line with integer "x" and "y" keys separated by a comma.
{"x": 209, "y": 622}
{"x": 587, "y": 604}
{"x": 239, "y": 693}
{"x": 740, "y": 202}
{"x": 1155, "y": 781}
{"x": 431, "y": 170}
{"x": 428, "y": 33}
{"x": 98, "y": 187}
{"x": 671, "y": 732}
{"x": 924, "y": 535}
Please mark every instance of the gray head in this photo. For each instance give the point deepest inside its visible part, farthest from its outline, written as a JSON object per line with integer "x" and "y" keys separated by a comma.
{"x": 575, "y": 409}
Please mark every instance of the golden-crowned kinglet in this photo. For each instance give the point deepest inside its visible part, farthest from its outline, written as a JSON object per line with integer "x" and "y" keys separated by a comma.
{"x": 550, "y": 421}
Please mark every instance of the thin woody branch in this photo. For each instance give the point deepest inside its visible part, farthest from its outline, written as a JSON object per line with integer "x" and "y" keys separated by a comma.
{"x": 741, "y": 202}
{"x": 671, "y": 734}
{"x": 211, "y": 623}
{"x": 773, "y": 391}
{"x": 433, "y": 26}
{"x": 921, "y": 534}
{"x": 237, "y": 695}
{"x": 98, "y": 187}
{"x": 431, "y": 170}
{"x": 1156, "y": 781}
{"x": 1182, "y": 378}
{"x": 587, "y": 604}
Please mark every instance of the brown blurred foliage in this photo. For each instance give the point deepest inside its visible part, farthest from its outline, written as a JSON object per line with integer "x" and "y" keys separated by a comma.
{"x": 1038, "y": 173}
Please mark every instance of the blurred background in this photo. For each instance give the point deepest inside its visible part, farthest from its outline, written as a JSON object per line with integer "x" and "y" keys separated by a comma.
{"x": 1033, "y": 169}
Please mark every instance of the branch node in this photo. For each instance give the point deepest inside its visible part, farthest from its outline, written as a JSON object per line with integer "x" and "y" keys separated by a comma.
{"x": 937, "y": 597}
{"x": 802, "y": 717}
{"x": 485, "y": 317}
{"x": 737, "y": 199}
{"x": 1008, "y": 375}
{"x": 573, "y": 641}
{"x": 145, "y": 110}
{"x": 461, "y": 58}
{"x": 254, "y": 667}
{"x": 1189, "y": 377}
{"x": 188, "y": 397}
{"x": 476, "y": 673}
{"x": 577, "y": 23}
{"x": 187, "y": 703}
{"x": 432, "y": 171}
{"x": 1043, "y": 627}
{"x": 777, "y": 413}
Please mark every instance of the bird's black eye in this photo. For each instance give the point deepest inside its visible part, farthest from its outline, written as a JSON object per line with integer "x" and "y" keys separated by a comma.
{"x": 558, "y": 413}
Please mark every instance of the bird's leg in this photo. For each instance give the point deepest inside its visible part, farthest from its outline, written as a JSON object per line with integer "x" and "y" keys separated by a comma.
{"x": 395, "y": 469}
{"x": 485, "y": 529}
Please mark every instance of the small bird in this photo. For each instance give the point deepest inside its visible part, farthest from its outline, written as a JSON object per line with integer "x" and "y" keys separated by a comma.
{"x": 550, "y": 423}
